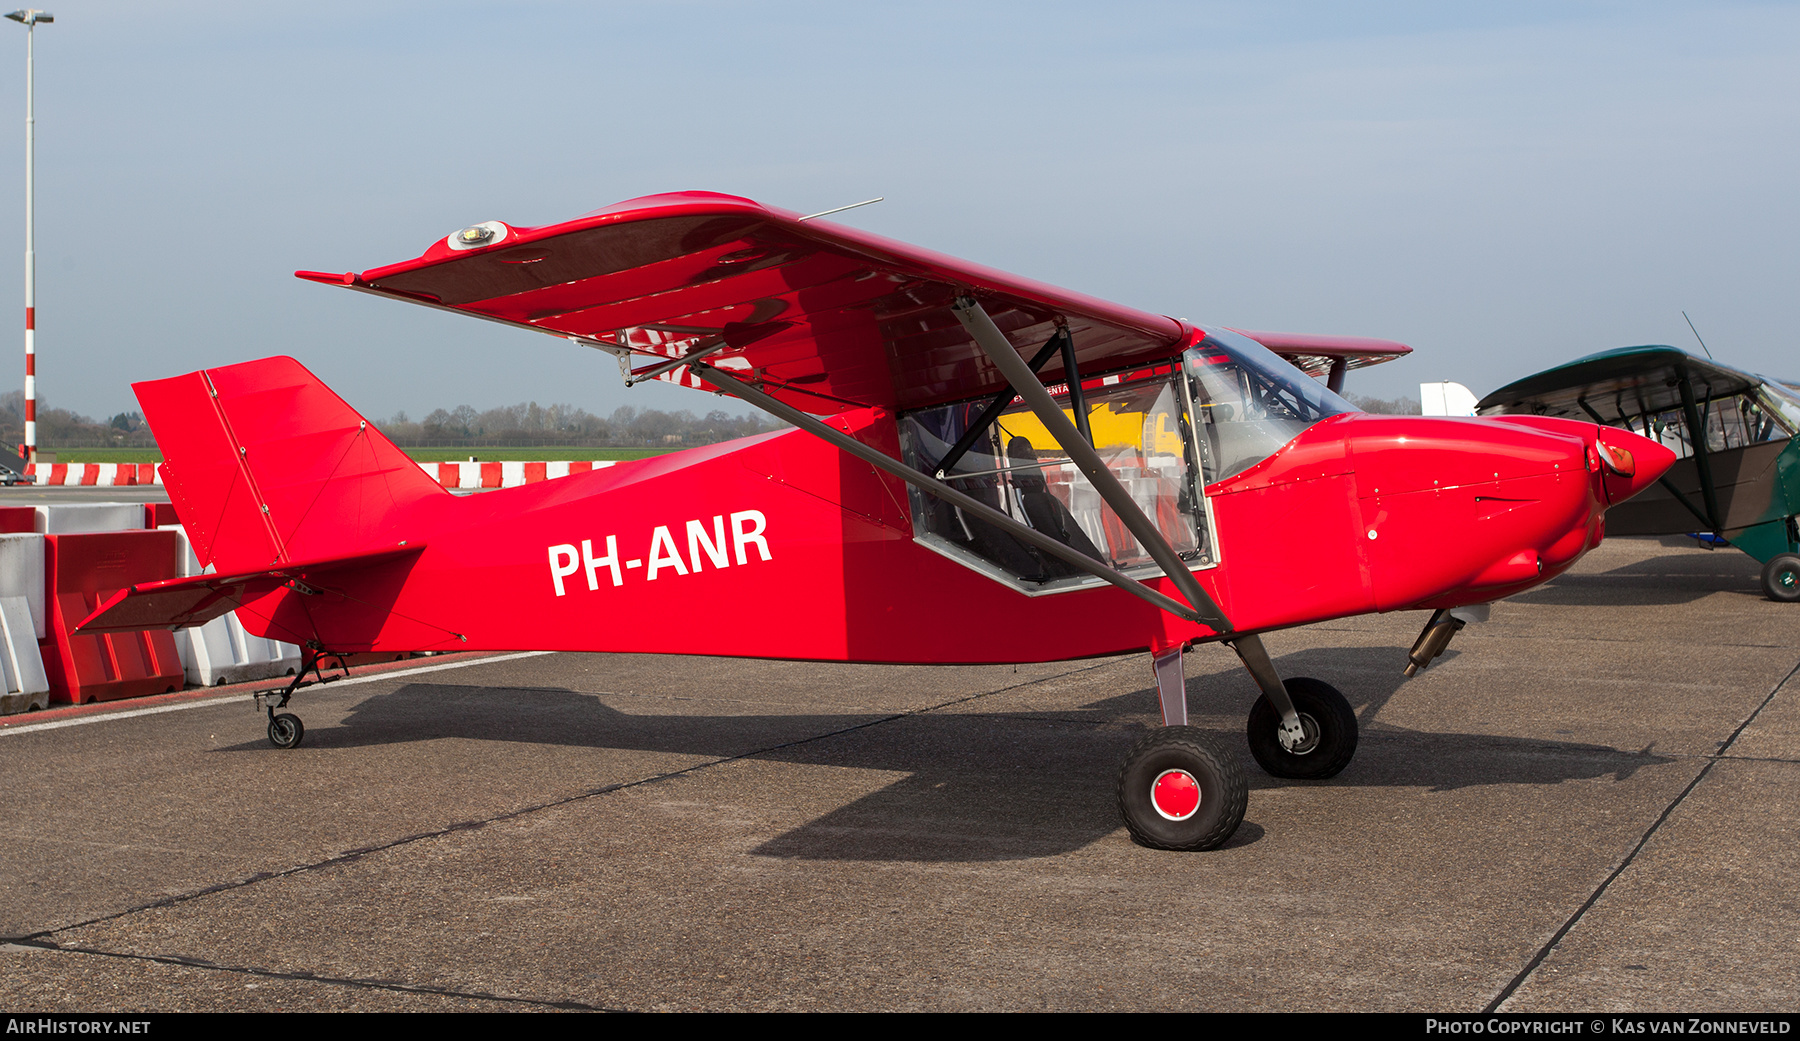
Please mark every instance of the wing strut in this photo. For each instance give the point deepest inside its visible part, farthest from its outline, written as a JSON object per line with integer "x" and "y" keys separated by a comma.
{"x": 1697, "y": 441}
{"x": 1072, "y": 373}
{"x": 1334, "y": 381}
{"x": 994, "y": 343}
{"x": 1215, "y": 620}
{"x": 711, "y": 345}
{"x": 1001, "y": 399}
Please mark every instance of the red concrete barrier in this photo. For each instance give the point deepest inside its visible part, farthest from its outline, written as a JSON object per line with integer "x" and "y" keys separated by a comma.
{"x": 15, "y": 519}
{"x": 82, "y": 570}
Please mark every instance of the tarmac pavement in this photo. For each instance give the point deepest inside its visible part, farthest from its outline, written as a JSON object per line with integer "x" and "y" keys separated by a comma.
{"x": 40, "y": 494}
{"x": 1589, "y": 804}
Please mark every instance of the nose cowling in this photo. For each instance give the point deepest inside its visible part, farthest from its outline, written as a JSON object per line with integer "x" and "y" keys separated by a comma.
{"x": 1462, "y": 511}
{"x": 1629, "y": 462}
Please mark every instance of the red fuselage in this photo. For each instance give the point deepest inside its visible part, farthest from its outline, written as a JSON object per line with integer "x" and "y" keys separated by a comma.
{"x": 782, "y": 546}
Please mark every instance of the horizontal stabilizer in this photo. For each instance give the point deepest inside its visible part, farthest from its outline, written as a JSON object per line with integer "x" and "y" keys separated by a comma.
{"x": 177, "y": 603}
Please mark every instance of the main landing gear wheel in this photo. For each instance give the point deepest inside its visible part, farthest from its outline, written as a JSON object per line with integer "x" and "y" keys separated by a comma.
{"x": 285, "y": 730}
{"x": 1781, "y": 578}
{"x": 1179, "y": 790}
{"x": 1328, "y": 729}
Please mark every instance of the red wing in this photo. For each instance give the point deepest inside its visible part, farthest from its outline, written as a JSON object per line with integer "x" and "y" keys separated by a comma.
{"x": 827, "y": 317}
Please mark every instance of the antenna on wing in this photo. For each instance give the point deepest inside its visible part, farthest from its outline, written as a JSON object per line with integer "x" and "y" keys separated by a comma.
{"x": 1703, "y": 346}
{"x": 840, "y": 209}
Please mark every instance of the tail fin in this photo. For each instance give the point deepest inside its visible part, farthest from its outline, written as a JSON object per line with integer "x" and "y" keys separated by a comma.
{"x": 267, "y": 466}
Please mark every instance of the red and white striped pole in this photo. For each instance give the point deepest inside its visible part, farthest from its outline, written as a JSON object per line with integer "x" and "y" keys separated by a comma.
{"x": 28, "y": 451}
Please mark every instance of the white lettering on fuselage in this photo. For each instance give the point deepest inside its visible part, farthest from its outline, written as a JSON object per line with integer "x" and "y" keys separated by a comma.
{"x": 706, "y": 546}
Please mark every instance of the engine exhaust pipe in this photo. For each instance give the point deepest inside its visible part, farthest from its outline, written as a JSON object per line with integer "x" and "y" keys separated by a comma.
{"x": 1432, "y": 640}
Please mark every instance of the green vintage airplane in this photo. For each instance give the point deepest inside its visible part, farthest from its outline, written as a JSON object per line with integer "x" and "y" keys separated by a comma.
{"x": 1737, "y": 470}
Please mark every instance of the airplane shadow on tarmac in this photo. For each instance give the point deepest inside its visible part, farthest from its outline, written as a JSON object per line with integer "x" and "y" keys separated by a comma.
{"x": 1684, "y": 575}
{"x": 977, "y": 786}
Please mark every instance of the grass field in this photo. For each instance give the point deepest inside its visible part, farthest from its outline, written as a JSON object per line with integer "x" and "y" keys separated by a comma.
{"x": 423, "y": 455}
{"x": 489, "y": 455}
{"x": 102, "y": 455}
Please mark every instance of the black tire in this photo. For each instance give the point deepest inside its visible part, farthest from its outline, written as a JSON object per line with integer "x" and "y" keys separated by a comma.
{"x": 1223, "y": 792}
{"x": 286, "y": 730}
{"x": 1781, "y": 578}
{"x": 1327, "y": 719}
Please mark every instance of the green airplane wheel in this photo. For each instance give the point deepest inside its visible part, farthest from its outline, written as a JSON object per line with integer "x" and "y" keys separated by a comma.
{"x": 1781, "y": 578}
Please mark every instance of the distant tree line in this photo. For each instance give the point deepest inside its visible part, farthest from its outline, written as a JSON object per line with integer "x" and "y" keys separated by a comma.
{"x": 529, "y": 423}
{"x": 58, "y": 427}
{"x": 524, "y": 424}
{"x": 1386, "y": 406}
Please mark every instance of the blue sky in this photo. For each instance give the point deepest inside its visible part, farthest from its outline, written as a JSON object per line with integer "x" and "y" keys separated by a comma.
{"x": 1502, "y": 186}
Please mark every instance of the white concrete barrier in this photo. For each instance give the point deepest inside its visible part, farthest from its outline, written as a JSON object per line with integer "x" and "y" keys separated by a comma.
{"x": 23, "y": 683}
{"x": 222, "y": 651}
{"x": 22, "y": 575}
{"x": 73, "y": 518}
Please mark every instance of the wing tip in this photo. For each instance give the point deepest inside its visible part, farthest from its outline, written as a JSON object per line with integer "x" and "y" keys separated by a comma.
{"x": 348, "y": 278}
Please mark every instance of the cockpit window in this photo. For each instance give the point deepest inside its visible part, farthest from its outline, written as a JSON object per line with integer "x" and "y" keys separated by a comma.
{"x": 1248, "y": 402}
{"x": 1767, "y": 413}
{"x": 1165, "y": 431}
{"x": 1782, "y": 402}
{"x": 1140, "y": 429}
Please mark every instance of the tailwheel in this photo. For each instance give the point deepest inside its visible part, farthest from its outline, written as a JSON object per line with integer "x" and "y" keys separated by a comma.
{"x": 1179, "y": 790}
{"x": 285, "y": 730}
{"x": 1327, "y": 738}
{"x": 1781, "y": 578}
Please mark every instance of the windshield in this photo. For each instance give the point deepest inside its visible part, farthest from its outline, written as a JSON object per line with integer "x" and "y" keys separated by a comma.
{"x": 1784, "y": 402}
{"x": 1248, "y": 402}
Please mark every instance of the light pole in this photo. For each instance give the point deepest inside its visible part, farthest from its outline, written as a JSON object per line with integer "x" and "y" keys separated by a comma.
{"x": 30, "y": 19}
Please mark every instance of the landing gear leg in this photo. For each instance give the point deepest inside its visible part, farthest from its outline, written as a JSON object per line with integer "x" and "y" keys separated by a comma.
{"x": 285, "y": 728}
{"x": 1303, "y": 728}
{"x": 1177, "y": 789}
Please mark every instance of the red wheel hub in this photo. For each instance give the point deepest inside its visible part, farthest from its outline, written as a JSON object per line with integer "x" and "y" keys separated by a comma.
{"x": 1175, "y": 794}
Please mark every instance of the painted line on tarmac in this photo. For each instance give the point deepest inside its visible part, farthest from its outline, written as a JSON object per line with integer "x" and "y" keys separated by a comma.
{"x": 1543, "y": 954}
{"x": 306, "y": 977}
{"x": 41, "y": 937}
{"x": 237, "y": 699}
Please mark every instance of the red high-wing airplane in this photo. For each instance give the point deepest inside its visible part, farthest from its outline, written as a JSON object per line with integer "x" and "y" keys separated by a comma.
{"x": 1161, "y": 483}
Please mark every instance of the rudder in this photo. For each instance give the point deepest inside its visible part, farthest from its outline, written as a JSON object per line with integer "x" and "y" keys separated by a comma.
{"x": 267, "y": 465}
